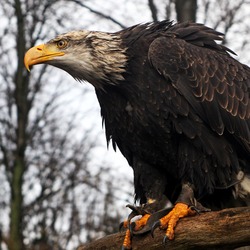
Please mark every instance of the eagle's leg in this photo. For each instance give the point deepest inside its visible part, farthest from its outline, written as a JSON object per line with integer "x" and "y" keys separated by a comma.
{"x": 150, "y": 185}
{"x": 131, "y": 227}
{"x": 186, "y": 205}
{"x": 134, "y": 226}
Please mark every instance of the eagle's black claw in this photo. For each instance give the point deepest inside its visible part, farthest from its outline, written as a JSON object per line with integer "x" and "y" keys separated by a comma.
{"x": 133, "y": 208}
{"x": 137, "y": 210}
{"x": 124, "y": 248}
{"x": 131, "y": 227}
{"x": 165, "y": 240}
{"x": 197, "y": 210}
{"x": 155, "y": 225}
{"x": 121, "y": 225}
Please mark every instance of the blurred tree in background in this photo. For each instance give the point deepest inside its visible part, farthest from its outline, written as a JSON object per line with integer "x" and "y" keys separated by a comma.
{"x": 52, "y": 194}
{"x": 48, "y": 188}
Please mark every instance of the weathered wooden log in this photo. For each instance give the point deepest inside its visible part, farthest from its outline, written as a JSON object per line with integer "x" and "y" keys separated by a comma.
{"x": 225, "y": 229}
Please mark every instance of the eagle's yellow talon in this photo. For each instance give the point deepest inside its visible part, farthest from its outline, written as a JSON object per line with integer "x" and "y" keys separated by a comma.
{"x": 169, "y": 221}
{"x": 127, "y": 241}
{"x": 139, "y": 224}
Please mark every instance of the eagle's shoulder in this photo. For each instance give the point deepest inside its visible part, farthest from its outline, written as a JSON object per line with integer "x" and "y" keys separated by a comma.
{"x": 215, "y": 85}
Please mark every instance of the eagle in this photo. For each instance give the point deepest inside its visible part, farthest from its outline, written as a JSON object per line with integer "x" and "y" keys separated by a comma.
{"x": 176, "y": 103}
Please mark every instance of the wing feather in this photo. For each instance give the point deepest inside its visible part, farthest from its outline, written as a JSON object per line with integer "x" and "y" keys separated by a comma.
{"x": 215, "y": 85}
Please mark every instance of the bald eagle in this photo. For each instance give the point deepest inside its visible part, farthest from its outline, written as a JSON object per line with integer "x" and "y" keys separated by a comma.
{"x": 176, "y": 104}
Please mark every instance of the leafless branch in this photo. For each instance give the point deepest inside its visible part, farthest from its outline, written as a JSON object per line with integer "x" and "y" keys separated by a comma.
{"x": 99, "y": 13}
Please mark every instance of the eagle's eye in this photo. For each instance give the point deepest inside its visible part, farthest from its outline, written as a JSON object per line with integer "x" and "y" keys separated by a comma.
{"x": 61, "y": 44}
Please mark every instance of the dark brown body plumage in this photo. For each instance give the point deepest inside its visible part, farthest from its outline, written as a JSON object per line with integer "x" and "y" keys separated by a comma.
{"x": 174, "y": 101}
{"x": 182, "y": 113}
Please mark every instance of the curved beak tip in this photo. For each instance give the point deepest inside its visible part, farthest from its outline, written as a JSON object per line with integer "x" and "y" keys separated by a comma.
{"x": 27, "y": 60}
{"x": 32, "y": 56}
{"x": 26, "y": 64}
{"x": 27, "y": 67}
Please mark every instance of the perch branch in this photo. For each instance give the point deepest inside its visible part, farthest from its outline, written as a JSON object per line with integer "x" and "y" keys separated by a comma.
{"x": 225, "y": 229}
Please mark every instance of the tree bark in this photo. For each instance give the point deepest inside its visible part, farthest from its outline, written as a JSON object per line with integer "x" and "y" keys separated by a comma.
{"x": 225, "y": 229}
{"x": 18, "y": 168}
{"x": 186, "y": 10}
{"x": 153, "y": 10}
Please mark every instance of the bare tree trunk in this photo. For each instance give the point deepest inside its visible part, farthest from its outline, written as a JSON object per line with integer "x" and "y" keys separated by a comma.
{"x": 186, "y": 10}
{"x": 153, "y": 10}
{"x": 225, "y": 229}
{"x": 18, "y": 168}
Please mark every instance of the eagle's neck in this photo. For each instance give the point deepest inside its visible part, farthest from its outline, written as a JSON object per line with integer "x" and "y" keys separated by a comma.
{"x": 112, "y": 57}
{"x": 105, "y": 60}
